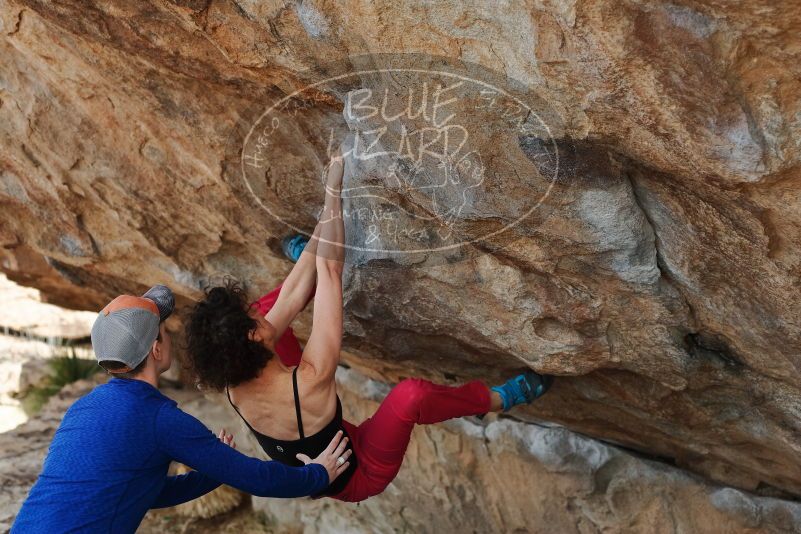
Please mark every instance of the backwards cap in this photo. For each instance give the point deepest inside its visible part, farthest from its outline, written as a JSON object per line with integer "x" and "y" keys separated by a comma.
{"x": 127, "y": 327}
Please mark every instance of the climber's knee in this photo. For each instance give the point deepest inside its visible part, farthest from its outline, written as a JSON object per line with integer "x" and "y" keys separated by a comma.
{"x": 408, "y": 395}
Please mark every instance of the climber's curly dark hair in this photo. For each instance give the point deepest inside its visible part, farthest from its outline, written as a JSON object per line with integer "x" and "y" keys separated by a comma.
{"x": 218, "y": 348}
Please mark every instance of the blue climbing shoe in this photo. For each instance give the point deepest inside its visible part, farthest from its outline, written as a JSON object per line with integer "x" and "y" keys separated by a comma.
{"x": 523, "y": 389}
{"x": 293, "y": 245}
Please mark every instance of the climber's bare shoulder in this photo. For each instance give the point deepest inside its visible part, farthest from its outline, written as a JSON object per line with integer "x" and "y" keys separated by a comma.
{"x": 318, "y": 369}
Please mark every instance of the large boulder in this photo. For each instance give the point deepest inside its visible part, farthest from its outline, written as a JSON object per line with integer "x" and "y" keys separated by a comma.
{"x": 657, "y": 275}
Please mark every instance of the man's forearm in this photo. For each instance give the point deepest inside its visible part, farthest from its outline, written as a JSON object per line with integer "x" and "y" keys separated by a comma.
{"x": 278, "y": 480}
{"x": 186, "y": 440}
{"x": 184, "y": 488}
{"x": 270, "y": 478}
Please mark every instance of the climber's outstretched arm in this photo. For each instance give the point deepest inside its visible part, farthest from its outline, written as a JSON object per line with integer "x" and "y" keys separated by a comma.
{"x": 322, "y": 350}
{"x": 297, "y": 289}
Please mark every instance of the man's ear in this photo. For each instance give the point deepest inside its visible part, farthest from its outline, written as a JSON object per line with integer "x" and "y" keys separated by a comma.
{"x": 155, "y": 350}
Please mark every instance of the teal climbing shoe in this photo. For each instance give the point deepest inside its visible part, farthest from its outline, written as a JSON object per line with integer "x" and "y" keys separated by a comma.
{"x": 293, "y": 245}
{"x": 523, "y": 389}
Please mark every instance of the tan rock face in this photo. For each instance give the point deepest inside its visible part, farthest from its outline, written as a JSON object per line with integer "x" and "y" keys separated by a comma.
{"x": 658, "y": 274}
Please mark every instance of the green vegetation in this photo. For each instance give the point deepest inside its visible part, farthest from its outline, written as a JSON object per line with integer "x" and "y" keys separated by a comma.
{"x": 63, "y": 370}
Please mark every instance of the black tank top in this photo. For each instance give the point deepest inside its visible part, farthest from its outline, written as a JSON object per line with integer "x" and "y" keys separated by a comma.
{"x": 285, "y": 451}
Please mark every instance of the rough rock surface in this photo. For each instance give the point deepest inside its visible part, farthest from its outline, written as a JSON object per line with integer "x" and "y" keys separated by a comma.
{"x": 455, "y": 475}
{"x": 659, "y": 276}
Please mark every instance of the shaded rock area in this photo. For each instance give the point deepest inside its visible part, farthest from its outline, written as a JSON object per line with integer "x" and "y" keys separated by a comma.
{"x": 659, "y": 274}
{"x": 496, "y": 475}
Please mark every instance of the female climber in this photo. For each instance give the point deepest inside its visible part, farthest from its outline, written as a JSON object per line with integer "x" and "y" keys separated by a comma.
{"x": 290, "y": 403}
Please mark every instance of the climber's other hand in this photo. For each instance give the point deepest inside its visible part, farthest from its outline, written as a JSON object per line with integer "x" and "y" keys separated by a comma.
{"x": 228, "y": 439}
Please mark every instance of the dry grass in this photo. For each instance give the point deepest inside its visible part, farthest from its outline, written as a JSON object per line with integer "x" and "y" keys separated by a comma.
{"x": 239, "y": 521}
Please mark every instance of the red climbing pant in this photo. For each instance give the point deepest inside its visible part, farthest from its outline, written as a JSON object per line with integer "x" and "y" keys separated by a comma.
{"x": 380, "y": 442}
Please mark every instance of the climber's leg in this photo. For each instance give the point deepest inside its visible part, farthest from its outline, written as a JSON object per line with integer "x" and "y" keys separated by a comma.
{"x": 383, "y": 438}
{"x": 266, "y": 302}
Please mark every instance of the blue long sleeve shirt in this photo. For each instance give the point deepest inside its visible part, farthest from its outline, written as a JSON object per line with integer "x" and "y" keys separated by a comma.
{"x": 108, "y": 461}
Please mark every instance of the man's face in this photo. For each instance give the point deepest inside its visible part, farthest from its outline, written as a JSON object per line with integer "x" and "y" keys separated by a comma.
{"x": 264, "y": 331}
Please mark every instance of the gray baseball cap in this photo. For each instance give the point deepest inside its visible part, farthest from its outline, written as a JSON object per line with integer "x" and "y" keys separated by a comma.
{"x": 127, "y": 327}
{"x": 164, "y": 299}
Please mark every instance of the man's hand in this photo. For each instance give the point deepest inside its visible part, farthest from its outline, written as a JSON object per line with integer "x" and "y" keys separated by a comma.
{"x": 228, "y": 439}
{"x": 328, "y": 458}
